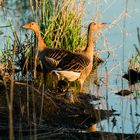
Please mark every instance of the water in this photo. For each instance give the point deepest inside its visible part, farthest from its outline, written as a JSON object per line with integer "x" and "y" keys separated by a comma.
{"x": 116, "y": 39}
{"x": 119, "y": 38}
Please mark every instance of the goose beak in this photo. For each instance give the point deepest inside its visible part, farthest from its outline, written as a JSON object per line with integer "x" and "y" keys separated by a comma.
{"x": 100, "y": 25}
{"x": 27, "y": 26}
{"x": 103, "y": 25}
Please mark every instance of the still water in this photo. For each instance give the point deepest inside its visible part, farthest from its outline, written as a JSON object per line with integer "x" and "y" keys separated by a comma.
{"x": 118, "y": 39}
{"x": 116, "y": 43}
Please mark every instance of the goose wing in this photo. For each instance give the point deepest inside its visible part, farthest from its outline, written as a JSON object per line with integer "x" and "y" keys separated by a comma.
{"x": 50, "y": 57}
{"x": 57, "y": 54}
{"x": 73, "y": 62}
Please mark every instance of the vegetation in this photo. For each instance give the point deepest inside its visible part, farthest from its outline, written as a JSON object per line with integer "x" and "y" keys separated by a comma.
{"x": 36, "y": 113}
{"x": 134, "y": 63}
{"x": 61, "y": 23}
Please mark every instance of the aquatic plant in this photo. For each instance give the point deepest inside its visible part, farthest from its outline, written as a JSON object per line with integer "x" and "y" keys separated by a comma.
{"x": 134, "y": 62}
{"x": 62, "y": 23}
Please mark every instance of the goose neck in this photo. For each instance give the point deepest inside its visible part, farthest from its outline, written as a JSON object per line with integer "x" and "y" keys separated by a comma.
{"x": 89, "y": 50}
{"x": 41, "y": 43}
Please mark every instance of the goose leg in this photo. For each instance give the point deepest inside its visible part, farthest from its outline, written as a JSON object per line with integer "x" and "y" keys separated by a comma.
{"x": 81, "y": 86}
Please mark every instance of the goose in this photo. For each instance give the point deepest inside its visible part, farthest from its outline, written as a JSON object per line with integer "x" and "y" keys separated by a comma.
{"x": 50, "y": 57}
{"x": 77, "y": 66}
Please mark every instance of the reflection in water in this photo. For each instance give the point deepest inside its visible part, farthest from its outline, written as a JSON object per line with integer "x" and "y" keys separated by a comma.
{"x": 15, "y": 11}
{"x": 127, "y": 116}
{"x": 12, "y": 15}
{"x": 110, "y": 73}
{"x": 108, "y": 80}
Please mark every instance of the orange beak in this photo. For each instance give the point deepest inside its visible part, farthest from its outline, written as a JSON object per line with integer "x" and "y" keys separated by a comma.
{"x": 27, "y": 26}
{"x": 102, "y": 25}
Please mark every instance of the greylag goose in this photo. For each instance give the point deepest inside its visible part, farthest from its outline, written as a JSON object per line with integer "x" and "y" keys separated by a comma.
{"x": 77, "y": 66}
{"x": 50, "y": 57}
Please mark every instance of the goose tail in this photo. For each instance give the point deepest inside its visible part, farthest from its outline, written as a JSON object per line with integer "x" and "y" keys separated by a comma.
{"x": 69, "y": 75}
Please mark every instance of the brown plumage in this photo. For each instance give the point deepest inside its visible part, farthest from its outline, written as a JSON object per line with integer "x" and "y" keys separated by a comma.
{"x": 77, "y": 66}
{"x": 50, "y": 57}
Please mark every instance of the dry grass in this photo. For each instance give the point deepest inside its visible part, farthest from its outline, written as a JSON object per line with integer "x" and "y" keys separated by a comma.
{"x": 134, "y": 62}
{"x": 30, "y": 107}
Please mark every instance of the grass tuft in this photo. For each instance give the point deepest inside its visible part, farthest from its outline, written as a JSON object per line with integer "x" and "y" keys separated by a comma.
{"x": 134, "y": 62}
{"x": 62, "y": 22}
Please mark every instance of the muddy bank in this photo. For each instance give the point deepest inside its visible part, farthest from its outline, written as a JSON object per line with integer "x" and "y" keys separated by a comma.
{"x": 44, "y": 114}
{"x": 68, "y": 134}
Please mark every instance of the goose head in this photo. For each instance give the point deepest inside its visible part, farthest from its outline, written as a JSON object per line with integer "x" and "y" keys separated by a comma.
{"x": 32, "y": 26}
{"x": 96, "y": 26}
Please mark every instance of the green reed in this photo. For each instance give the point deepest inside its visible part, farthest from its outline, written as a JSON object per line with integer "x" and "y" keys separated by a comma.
{"x": 134, "y": 62}
{"x": 62, "y": 22}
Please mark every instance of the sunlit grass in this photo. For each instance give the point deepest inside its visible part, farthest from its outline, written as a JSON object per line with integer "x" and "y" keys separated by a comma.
{"x": 134, "y": 62}
{"x": 62, "y": 23}
{"x": 61, "y": 28}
